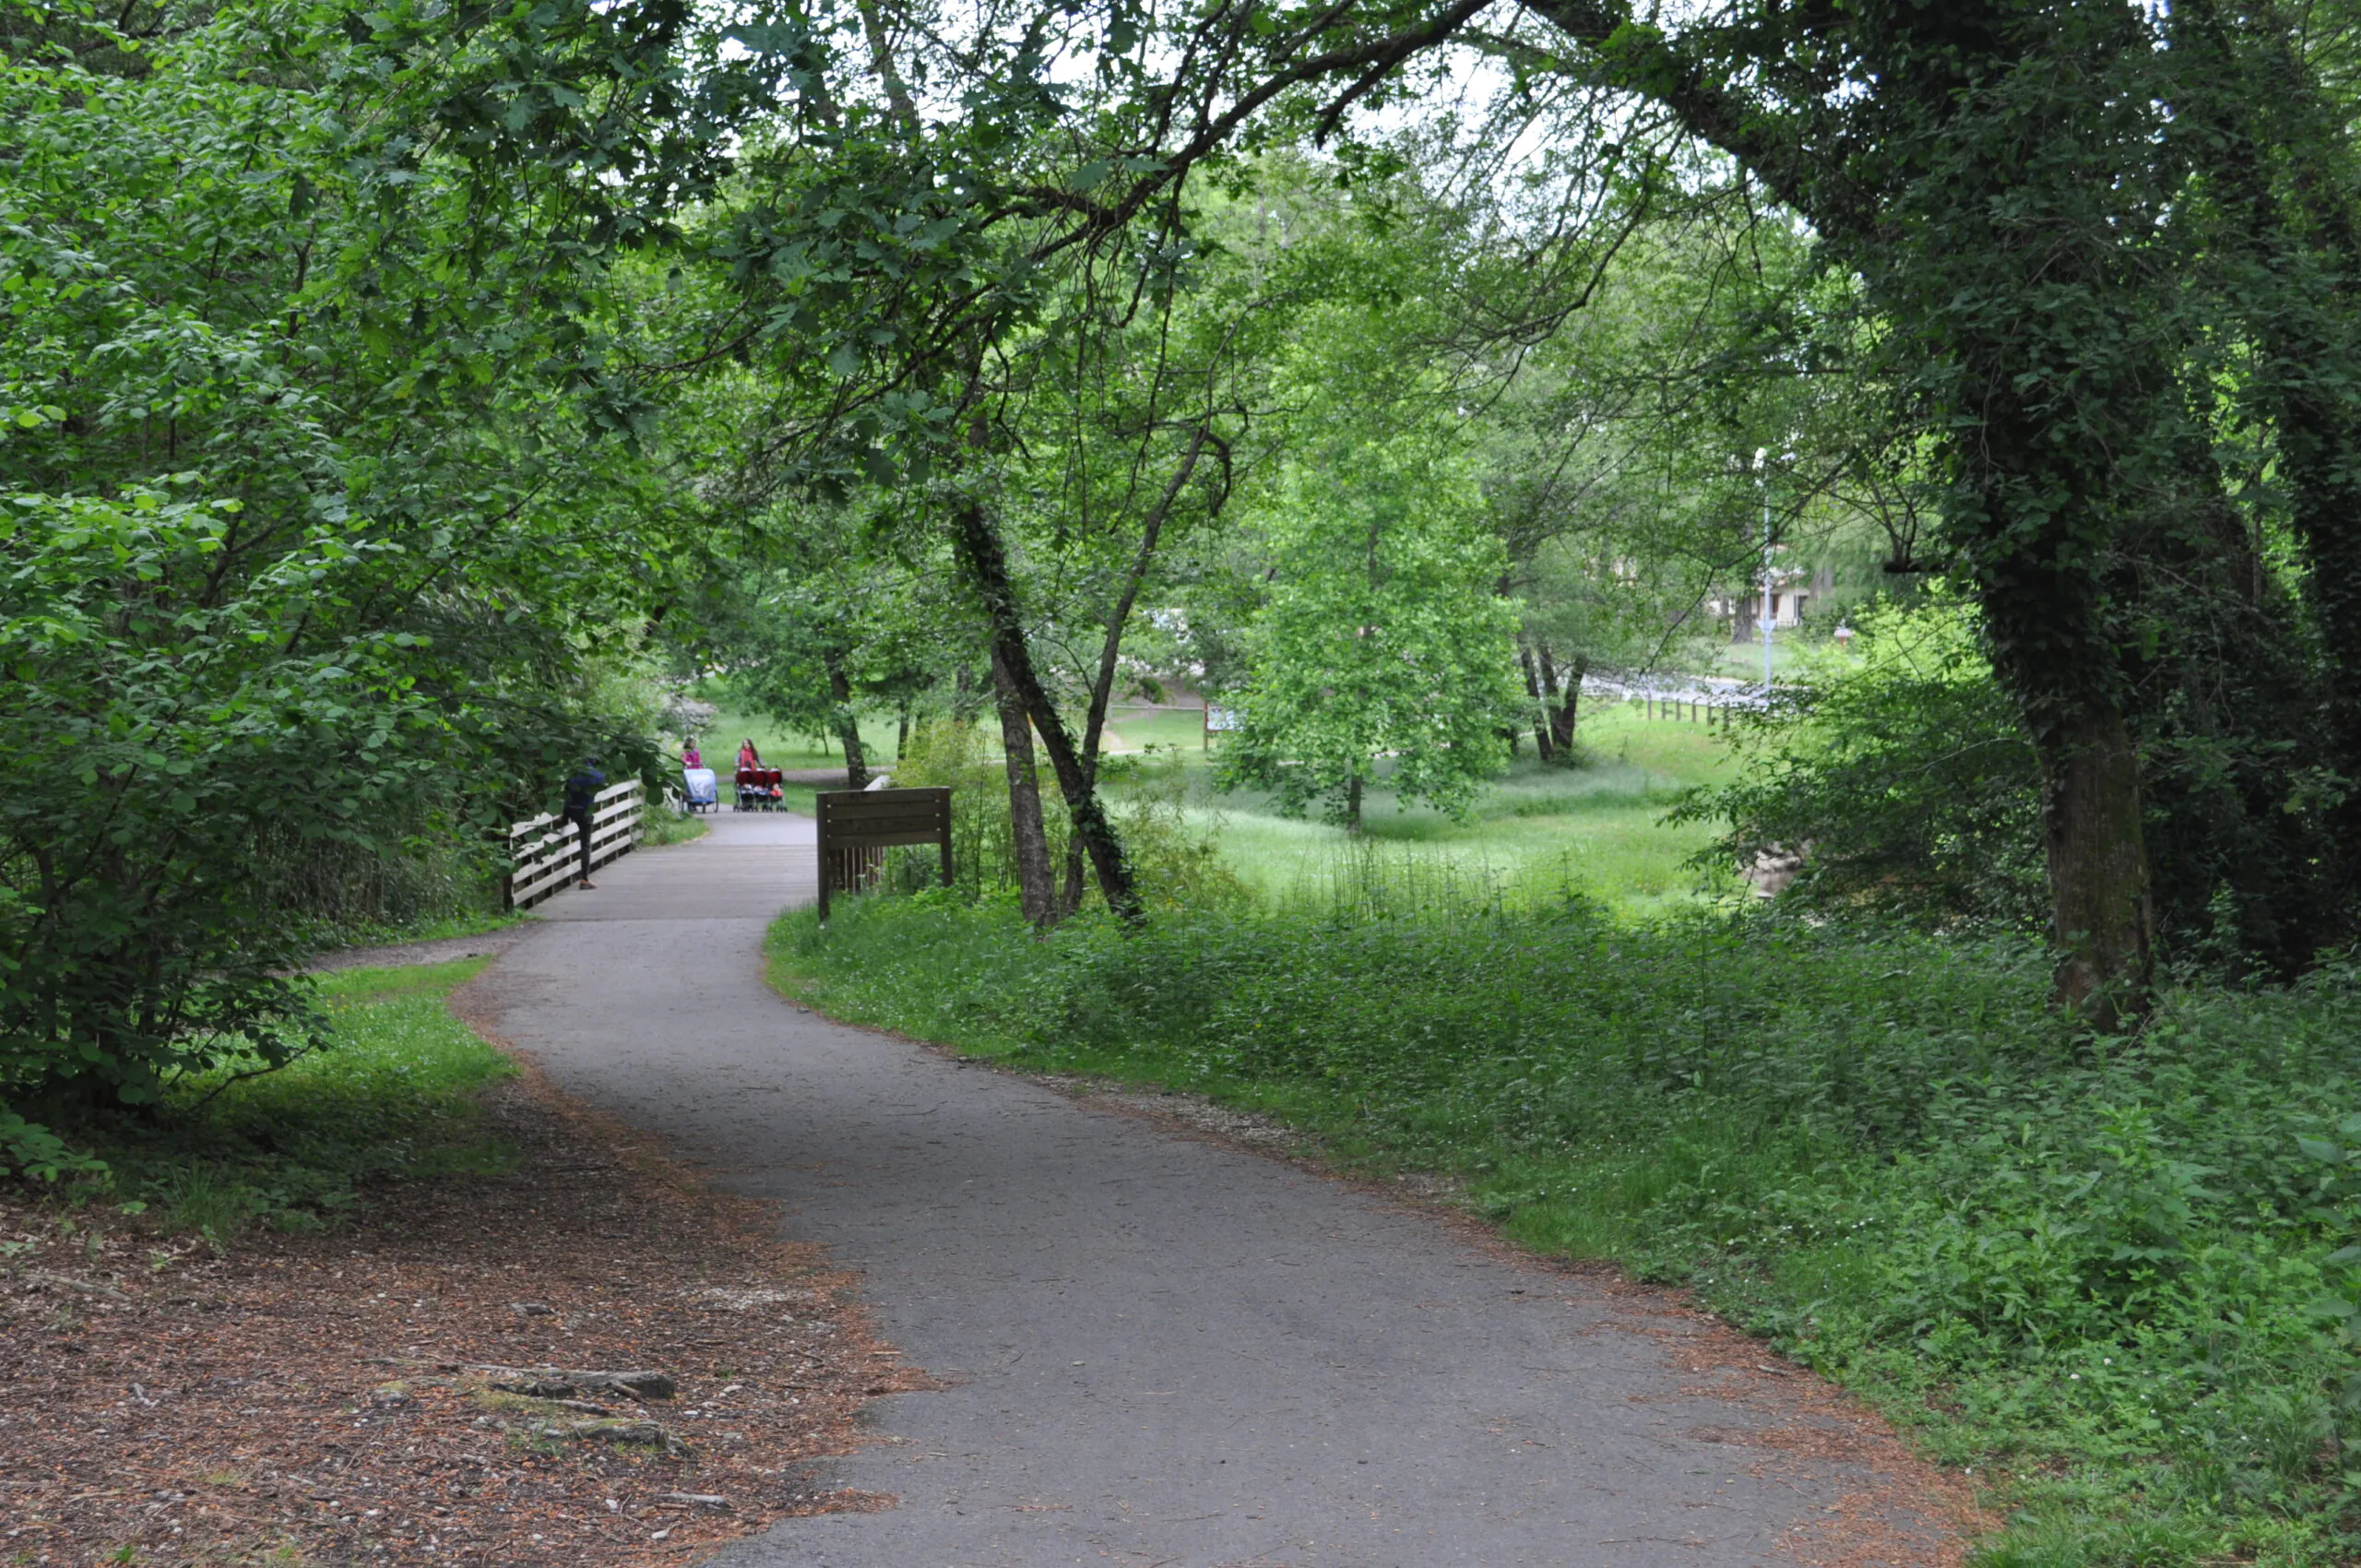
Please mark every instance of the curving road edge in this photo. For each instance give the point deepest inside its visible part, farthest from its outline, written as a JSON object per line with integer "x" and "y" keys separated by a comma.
{"x": 1154, "y": 1350}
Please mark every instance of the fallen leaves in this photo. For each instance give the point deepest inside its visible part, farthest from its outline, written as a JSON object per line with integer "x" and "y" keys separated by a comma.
{"x": 374, "y": 1394}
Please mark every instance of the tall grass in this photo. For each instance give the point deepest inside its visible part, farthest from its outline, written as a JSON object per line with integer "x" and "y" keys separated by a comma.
{"x": 2114, "y": 1273}
{"x": 1597, "y": 828}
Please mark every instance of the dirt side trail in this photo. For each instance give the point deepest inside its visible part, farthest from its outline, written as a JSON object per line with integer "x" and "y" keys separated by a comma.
{"x": 1155, "y": 1348}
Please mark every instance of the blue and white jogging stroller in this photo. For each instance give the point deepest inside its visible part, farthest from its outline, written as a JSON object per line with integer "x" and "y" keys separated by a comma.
{"x": 698, "y": 789}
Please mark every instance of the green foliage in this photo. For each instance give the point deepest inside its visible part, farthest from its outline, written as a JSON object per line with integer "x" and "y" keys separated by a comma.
{"x": 152, "y": 751}
{"x": 312, "y": 539}
{"x": 946, "y": 754}
{"x": 2115, "y": 1274}
{"x": 33, "y": 1152}
{"x": 394, "y": 1098}
{"x": 1382, "y": 636}
{"x": 1178, "y": 863}
{"x": 1903, "y": 777}
{"x": 1178, "y": 859}
{"x": 666, "y": 826}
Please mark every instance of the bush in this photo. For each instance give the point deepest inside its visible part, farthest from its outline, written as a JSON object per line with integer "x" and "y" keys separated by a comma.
{"x": 1904, "y": 780}
{"x": 1175, "y": 867}
{"x": 293, "y": 604}
{"x": 154, "y": 744}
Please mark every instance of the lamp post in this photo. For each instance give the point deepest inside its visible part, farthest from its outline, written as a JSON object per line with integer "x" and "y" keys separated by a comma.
{"x": 1770, "y": 600}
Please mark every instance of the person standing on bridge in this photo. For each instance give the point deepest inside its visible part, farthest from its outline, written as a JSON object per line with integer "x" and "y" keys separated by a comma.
{"x": 581, "y": 797}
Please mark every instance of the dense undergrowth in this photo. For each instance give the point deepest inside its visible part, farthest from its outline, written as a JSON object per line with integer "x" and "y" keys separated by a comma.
{"x": 393, "y": 1095}
{"x": 2111, "y": 1275}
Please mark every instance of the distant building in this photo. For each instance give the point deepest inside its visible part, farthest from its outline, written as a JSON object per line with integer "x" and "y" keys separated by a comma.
{"x": 1792, "y": 594}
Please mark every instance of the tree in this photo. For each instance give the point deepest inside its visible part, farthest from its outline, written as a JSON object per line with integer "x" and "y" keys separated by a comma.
{"x": 1383, "y": 636}
{"x": 317, "y": 528}
{"x": 1996, "y": 176}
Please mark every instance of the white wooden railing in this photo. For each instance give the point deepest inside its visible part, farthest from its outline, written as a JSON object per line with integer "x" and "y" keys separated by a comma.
{"x": 547, "y": 851}
{"x": 1687, "y": 696}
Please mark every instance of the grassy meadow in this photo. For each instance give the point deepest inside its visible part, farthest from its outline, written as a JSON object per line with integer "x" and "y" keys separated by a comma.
{"x": 1595, "y": 829}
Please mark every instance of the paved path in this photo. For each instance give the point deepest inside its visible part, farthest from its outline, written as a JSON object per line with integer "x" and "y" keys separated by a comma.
{"x": 1158, "y": 1350}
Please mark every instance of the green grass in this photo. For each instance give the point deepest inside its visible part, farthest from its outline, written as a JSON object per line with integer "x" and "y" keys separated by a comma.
{"x": 664, "y": 826}
{"x": 1136, "y": 728}
{"x": 1596, "y": 828}
{"x": 393, "y": 1098}
{"x": 2108, "y": 1273}
{"x": 1745, "y": 659}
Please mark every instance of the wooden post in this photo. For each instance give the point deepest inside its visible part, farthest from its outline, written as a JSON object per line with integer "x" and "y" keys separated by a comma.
{"x": 857, "y": 825}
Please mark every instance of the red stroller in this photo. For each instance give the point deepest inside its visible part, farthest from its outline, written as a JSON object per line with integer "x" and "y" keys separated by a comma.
{"x": 758, "y": 789}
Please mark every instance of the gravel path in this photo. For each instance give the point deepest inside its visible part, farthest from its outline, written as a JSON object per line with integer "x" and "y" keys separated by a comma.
{"x": 1157, "y": 1348}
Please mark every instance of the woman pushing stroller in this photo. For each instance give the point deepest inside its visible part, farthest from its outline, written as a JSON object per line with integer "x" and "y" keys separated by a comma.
{"x": 757, "y": 786}
{"x": 699, "y": 792}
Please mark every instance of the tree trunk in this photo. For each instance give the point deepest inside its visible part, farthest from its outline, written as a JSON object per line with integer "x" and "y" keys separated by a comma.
{"x": 2318, "y": 447}
{"x": 2050, "y": 648}
{"x": 967, "y": 698}
{"x": 1561, "y": 718}
{"x": 1353, "y": 804}
{"x": 1946, "y": 221}
{"x": 985, "y": 562}
{"x": 1542, "y": 740}
{"x": 1118, "y": 618}
{"x": 2100, "y": 920}
{"x": 1070, "y": 891}
{"x": 1030, "y": 839}
{"x": 848, "y": 722}
{"x": 2283, "y": 152}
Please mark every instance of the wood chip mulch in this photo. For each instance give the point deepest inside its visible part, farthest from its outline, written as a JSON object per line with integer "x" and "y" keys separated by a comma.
{"x": 337, "y": 1398}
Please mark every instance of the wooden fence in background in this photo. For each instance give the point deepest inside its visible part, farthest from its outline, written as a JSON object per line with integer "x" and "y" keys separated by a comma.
{"x": 857, "y": 826}
{"x": 547, "y": 851}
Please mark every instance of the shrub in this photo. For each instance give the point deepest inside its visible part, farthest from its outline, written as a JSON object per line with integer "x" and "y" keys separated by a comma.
{"x": 1175, "y": 866}
{"x": 1905, "y": 777}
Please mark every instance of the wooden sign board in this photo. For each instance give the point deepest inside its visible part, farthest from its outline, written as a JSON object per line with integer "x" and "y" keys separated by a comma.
{"x": 857, "y": 826}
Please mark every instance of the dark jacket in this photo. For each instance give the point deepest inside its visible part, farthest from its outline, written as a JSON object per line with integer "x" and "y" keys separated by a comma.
{"x": 582, "y": 789}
